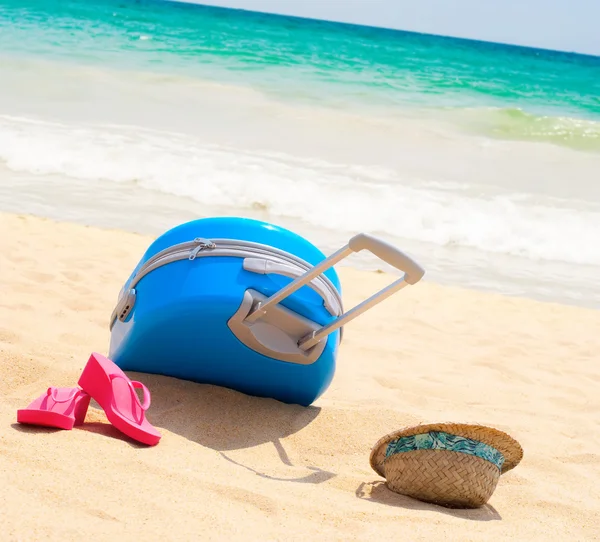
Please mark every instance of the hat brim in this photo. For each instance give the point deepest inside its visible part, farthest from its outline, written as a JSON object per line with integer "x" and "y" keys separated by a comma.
{"x": 504, "y": 443}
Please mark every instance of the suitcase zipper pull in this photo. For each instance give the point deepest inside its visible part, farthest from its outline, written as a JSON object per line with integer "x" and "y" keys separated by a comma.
{"x": 202, "y": 245}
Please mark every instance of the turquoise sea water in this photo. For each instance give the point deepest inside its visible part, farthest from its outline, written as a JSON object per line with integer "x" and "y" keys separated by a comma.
{"x": 475, "y": 155}
{"x": 528, "y": 93}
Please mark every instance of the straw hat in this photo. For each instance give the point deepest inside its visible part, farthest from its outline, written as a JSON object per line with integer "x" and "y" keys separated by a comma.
{"x": 451, "y": 464}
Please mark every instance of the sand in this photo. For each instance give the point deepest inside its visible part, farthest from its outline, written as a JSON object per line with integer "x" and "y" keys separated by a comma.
{"x": 233, "y": 467}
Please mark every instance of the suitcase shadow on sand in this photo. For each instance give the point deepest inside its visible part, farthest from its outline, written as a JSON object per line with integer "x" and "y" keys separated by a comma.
{"x": 225, "y": 420}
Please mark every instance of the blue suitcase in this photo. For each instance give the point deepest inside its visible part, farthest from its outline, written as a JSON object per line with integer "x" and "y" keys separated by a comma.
{"x": 242, "y": 304}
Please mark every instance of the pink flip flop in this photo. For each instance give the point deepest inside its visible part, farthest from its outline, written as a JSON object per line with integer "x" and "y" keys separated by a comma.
{"x": 115, "y": 393}
{"x": 62, "y": 408}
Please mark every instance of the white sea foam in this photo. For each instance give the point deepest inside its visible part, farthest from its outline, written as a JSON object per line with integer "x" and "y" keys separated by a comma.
{"x": 333, "y": 196}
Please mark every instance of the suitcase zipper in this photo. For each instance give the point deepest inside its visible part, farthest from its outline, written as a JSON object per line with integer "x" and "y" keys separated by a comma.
{"x": 201, "y": 247}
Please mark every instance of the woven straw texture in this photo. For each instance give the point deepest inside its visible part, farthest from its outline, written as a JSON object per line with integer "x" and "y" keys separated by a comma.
{"x": 508, "y": 446}
{"x": 446, "y": 477}
{"x": 450, "y": 479}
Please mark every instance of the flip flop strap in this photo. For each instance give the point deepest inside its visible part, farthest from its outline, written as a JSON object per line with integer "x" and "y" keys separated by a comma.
{"x": 146, "y": 404}
{"x": 53, "y": 393}
{"x": 133, "y": 384}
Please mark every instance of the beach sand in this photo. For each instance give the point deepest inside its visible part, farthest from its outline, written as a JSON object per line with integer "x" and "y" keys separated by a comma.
{"x": 234, "y": 467}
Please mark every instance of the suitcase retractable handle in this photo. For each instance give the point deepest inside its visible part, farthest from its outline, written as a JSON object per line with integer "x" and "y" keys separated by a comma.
{"x": 413, "y": 273}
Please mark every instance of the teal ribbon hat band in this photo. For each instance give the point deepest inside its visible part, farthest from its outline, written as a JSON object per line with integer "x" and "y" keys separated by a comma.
{"x": 438, "y": 440}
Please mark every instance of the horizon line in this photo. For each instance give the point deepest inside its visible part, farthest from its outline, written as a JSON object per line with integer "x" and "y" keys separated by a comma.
{"x": 386, "y": 28}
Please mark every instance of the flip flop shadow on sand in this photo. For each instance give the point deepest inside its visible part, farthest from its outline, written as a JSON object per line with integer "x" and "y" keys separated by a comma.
{"x": 377, "y": 492}
{"x": 223, "y": 419}
{"x": 95, "y": 422}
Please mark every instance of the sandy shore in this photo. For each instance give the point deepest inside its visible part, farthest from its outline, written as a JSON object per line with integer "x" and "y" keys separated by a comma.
{"x": 236, "y": 467}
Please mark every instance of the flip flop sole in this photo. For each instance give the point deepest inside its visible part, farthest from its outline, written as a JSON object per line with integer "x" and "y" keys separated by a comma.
{"x": 45, "y": 418}
{"x": 96, "y": 381}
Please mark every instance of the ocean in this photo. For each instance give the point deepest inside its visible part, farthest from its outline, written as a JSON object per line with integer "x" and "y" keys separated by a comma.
{"x": 481, "y": 160}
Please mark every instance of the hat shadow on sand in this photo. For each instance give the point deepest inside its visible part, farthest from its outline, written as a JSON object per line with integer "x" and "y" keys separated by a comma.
{"x": 378, "y": 492}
